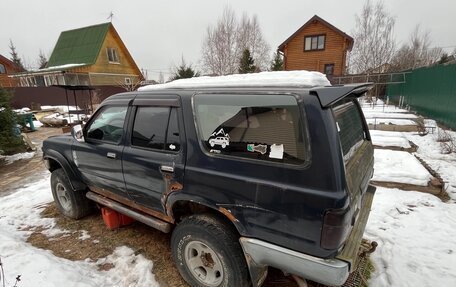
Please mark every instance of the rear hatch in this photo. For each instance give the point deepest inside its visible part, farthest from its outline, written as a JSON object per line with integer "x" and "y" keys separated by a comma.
{"x": 356, "y": 146}
{"x": 358, "y": 159}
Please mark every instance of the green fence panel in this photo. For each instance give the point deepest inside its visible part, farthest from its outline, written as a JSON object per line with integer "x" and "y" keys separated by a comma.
{"x": 429, "y": 91}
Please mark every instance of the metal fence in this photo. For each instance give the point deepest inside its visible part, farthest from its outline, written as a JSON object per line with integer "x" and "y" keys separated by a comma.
{"x": 429, "y": 91}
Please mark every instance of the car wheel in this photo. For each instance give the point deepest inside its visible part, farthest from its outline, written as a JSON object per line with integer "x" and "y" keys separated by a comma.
{"x": 73, "y": 204}
{"x": 207, "y": 253}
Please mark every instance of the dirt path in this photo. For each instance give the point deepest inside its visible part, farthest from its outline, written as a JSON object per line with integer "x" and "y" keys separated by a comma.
{"x": 23, "y": 172}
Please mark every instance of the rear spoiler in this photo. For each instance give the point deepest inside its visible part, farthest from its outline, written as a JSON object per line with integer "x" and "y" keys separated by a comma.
{"x": 332, "y": 94}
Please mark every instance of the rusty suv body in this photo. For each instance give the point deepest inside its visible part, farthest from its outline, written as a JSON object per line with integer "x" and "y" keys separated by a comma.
{"x": 287, "y": 168}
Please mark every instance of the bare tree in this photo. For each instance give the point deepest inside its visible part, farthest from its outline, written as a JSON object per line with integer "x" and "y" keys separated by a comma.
{"x": 161, "y": 78}
{"x": 131, "y": 85}
{"x": 251, "y": 38}
{"x": 225, "y": 42}
{"x": 374, "y": 38}
{"x": 417, "y": 52}
{"x": 220, "y": 51}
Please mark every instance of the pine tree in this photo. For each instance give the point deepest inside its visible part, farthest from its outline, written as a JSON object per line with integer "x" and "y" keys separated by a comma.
{"x": 14, "y": 56}
{"x": 444, "y": 58}
{"x": 10, "y": 142}
{"x": 184, "y": 71}
{"x": 277, "y": 62}
{"x": 246, "y": 63}
{"x": 42, "y": 60}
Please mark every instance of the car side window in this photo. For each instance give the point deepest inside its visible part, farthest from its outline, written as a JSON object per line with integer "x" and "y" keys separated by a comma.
{"x": 108, "y": 124}
{"x": 156, "y": 128}
{"x": 264, "y": 127}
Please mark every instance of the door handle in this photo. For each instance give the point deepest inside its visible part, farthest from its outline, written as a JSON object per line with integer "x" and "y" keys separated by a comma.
{"x": 111, "y": 155}
{"x": 167, "y": 168}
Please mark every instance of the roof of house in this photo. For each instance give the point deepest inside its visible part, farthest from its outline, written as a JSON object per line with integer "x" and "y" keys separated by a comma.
{"x": 79, "y": 46}
{"x": 11, "y": 64}
{"x": 324, "y": 22}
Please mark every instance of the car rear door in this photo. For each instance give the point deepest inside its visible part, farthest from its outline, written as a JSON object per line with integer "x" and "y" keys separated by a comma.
{"x": 153, "y": 159}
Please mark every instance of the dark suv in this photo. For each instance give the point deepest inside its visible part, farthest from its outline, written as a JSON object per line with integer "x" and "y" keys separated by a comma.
{"x": 243, "y": 177}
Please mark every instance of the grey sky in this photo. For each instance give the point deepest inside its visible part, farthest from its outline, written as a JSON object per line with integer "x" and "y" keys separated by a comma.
{"x": 158, "y": 33}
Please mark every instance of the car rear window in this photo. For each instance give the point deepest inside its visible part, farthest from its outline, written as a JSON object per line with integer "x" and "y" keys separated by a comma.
{"x": 264, "y": 127}
{"x": 350, "y": 127}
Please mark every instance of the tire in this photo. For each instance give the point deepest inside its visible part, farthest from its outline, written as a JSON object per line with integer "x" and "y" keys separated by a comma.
{"x": 73, "y": 204}
{"x": 207, "y": 253}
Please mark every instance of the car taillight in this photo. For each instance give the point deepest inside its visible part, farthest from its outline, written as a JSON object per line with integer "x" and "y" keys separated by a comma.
{"x": 337, "y": 225}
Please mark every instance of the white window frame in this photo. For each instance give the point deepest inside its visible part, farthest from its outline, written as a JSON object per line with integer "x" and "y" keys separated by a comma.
{"x": 113, "y": 56}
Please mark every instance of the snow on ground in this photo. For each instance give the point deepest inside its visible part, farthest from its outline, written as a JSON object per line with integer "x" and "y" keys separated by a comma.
{"x": 61, "y": 108}
{"x": 389, "y": 139}
{"x": 289, "y": 78}
{"x": 376, "y": 114}
{"x": 70, "y": 118}
{"x": 416, "y": 239}
{"x": 84, "y": 235}
{"x": 22, "y": 111}
{"x": 397, "y": 122}
{"x": 431, "y": 151}
{"x": 400, "y": 167}
{"x": 381, "y": 108}
{"x": 40, "y": 267}
{"x": 18, "y": 156}
{"x": 37, "y": 124}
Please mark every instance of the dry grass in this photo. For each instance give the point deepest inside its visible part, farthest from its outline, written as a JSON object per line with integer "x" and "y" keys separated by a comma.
{"x": 152, "y": 244}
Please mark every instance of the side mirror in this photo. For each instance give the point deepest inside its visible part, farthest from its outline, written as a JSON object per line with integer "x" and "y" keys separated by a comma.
{"x": 77, "y": 134}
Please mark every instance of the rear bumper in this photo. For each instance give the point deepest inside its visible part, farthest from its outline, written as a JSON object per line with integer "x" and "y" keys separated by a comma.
{"x": 333, "y": 272}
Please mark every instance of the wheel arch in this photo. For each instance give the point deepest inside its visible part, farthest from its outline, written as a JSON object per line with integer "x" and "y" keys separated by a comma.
{"x": 182, "y": 206}
{"x": 55, "y": 160}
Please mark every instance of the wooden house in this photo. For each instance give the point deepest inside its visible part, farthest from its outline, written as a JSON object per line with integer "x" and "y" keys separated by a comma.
{"x": 94, "y": 56}
{"x": 317, "y": 46}
{"x": 8, "y": 68}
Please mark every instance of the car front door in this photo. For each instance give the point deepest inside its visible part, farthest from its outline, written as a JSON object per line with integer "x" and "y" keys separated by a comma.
{"x": 99, "y": 157}
{"x": 153, "y": 159}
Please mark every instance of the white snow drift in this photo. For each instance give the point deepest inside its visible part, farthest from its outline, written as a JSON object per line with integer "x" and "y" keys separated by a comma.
{"x": 280, "y": 78}
{"x": 40, "y": 267}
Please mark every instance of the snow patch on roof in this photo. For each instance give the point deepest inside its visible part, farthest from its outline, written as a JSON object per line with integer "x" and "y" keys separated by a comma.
{"x": 280, "y": 78}
{"x": 61, "y": 67}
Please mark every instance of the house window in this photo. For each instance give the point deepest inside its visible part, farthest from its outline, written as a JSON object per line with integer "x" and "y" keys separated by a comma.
{"x": 2, "y": 69}
{"x": 329, "y": 69}
{"x": 316, "y": 42}
{"x": 113, "y": 57}
{"x": 127, "y": 81}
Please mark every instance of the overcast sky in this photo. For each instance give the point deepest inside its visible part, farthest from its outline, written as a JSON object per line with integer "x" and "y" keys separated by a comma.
{"x": 158, "y": 33}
